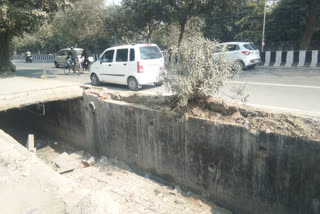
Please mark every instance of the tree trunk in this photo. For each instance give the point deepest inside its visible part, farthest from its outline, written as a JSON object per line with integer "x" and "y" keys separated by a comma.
{"x": 310, "y": 24}
{"x": 182, "y": 27}
{"x": 149, "y": 33}
{"x": 4, "y": 52}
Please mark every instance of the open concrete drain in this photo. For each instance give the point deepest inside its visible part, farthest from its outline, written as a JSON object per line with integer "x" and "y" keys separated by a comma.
{"x": 112, "y": 186}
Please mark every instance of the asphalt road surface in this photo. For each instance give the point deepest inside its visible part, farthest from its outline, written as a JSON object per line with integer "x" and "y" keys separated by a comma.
{"x": 294, "y": 90}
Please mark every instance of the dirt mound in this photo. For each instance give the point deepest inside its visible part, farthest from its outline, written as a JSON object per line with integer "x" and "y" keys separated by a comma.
{"x": 240, "y": 115}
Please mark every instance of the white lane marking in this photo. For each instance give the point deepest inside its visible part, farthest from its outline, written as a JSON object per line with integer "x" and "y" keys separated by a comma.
{"x": 275, "y": 84}
{"x": 28, "y": 68}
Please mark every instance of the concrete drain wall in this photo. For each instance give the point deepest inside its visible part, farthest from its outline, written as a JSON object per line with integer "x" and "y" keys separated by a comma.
{"x": 244, "y": 172}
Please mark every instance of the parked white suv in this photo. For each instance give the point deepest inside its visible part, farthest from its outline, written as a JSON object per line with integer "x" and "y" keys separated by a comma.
{"x": 61, "y": 57}
{"x": 244, "y": 54}
{"x": 132, "y": 65}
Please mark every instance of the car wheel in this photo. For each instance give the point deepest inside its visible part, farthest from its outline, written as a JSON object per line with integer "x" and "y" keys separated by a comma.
{"x": 240, "y": 64}
{"x": 56, "y": 64}
{"x": 251, "y": 67}
{"x": 95, "y": 80}
{"x": 133, "y": 84}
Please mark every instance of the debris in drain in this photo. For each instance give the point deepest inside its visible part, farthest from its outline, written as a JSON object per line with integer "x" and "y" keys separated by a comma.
{"x": 158, "y": 193}
{"x": 64, "y": 163}
{"x": 86, "y": 163}
{"x": 103, "y": 159}
{"x": 30, "y": 143}
{"x": 177, "y": 201}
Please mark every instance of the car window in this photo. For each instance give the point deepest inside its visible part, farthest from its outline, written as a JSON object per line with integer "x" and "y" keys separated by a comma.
{"x": 250, "y": 47}
{"x": 132, "y": 55}
{"x": 122, "y": 55}
{"x": 233, "y": 47}
{"x": 151, "y": 52}
{"x": 107, "y": 56}
{"x": 61, "y": 53}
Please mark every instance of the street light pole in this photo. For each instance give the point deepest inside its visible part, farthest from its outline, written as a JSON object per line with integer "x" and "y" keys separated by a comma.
{"x": 264, "y": 25}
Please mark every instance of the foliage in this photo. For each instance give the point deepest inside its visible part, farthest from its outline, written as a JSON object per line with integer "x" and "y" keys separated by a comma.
{"x": 196, "y": 76}
{"x": 192, "y": 29}
{"x": 290, "y": 21}
{"x": 147, "y": 16}
{"x": 286, "y": 21}
{"x": 181, "y": 11}
{"x": 19, "y": 16}
{"x": 81, "y": 25}
{"x": 243, "y": 24}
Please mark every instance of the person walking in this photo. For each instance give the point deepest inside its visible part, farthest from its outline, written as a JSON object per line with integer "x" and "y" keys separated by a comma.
{"x": 86, "y": 54}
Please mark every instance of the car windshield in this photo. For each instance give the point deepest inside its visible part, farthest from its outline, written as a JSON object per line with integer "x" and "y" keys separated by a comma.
{"x": 250, "y": 47}
{"x": 151, "y": 52}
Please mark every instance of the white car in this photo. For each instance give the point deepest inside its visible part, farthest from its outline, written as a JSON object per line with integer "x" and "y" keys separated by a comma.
{"x": 244, "y": 54}
{"x": 132, "y": 65}
{"x": 61, "y": 57}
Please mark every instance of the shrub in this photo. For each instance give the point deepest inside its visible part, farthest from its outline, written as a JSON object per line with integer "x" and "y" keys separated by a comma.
{"x": 194, "y": 75}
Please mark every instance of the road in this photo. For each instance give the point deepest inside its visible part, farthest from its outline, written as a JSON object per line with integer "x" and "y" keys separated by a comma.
{"x": 281, "y": 89}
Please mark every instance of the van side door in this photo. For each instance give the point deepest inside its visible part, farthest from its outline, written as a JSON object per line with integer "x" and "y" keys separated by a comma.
{"x": 120, "y": 69}
{"x": 105, "y": 66}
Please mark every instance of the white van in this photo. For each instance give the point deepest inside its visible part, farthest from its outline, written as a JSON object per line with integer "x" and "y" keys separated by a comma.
{"x": 132, "y": 65}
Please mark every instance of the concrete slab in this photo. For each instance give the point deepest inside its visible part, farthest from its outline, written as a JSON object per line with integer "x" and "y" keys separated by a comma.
{"x": 16, "y": 92}
{"x": 30, "y": 186}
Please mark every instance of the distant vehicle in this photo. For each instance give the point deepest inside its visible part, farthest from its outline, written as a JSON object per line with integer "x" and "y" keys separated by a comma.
{"x": 132, "y": 65}
{"x": 28, "y": 56}
{"x": 28, "y": 59}
{"x": 61, "y": 57}
{"x": 244, "y": 54}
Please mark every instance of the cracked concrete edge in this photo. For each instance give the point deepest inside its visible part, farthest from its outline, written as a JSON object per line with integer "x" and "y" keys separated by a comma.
{"x": 19, "y": 100}
{"x": 17, "y": 158}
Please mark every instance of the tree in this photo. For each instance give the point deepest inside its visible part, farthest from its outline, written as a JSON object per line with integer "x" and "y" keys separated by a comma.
{"x": 294, "y": 20}
{"x": 80, "y": 26}
{"x": 19, "y": 16}
{"x": 180, "y": 11}
{"x": 310, "y": 23}
{"x": 243, "y": 24}
{"x": 147, "y": 16}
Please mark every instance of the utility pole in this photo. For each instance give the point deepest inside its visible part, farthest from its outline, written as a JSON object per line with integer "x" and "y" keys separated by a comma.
{"x": 264, "y": 25}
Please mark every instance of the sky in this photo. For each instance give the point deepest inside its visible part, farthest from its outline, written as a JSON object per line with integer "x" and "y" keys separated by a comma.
{"x": 110, "y": 2}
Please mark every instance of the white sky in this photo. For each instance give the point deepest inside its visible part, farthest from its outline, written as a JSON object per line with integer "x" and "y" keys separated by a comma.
{"x": 110, "y": 2}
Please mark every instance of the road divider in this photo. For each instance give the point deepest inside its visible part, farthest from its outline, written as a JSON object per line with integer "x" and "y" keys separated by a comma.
{"x": 291, "y": 58}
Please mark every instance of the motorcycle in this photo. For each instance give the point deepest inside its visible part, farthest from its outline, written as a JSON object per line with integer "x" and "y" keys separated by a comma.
{"x": 28, "y": 59}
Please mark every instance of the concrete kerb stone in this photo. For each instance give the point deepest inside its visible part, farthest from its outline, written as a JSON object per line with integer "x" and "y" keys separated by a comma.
{"x": 300, "y": 58}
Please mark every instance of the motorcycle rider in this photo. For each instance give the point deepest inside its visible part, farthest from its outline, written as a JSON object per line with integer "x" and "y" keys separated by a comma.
{"x": 28, "y": 56}
{"x": 72, "y": 58}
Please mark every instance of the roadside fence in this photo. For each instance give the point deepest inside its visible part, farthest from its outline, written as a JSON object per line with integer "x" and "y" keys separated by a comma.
{"x": 268, "y": 58}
